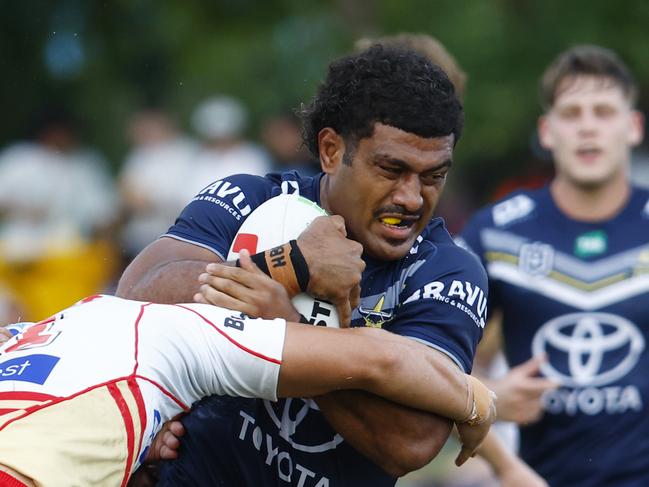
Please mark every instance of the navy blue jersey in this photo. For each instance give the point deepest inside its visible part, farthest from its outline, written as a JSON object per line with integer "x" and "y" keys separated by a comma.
{"x": 436, "y": 294}
{"x": 578, "y": 292}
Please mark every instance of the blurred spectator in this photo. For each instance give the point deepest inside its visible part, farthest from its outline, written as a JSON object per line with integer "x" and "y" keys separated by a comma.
{"x": 282, "y": 136}
{"x": 57, "y": 203}
{"x": 10, "y": 310}
{"x": 221, "y": 122}
{"x": 152, "y": 178}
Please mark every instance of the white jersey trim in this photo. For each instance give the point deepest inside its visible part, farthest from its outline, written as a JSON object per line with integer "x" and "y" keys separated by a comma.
{"x": 564, "y": 293}
{"x": 439, "y": 349}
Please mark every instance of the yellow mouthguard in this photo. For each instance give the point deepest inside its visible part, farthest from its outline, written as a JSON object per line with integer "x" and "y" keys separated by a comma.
{"x": 391, "y": 220}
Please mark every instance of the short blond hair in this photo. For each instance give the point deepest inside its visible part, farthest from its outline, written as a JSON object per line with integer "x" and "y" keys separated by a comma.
{"x": 426, "y": 46}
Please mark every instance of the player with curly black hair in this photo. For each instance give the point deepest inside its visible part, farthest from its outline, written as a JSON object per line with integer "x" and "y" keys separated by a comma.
{"x": 371, "y": 90}
{"x": 383, "y": 125}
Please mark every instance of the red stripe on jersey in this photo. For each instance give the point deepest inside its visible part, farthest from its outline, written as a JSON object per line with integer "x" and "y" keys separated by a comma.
{"x": 52, "y": 400}
{"x": 232, "y": 340}
{"x": 32, "y": 400}
{"x": 90, "y": 298}
{"x": 141, "y": 408}
{"x": 26, "y": 396}
{"x": 181, "y": 404}
{"x": 137, "y": 336}
{"x": 46, "y": 321}
{"x": 7, "y": 480}
{"x": 56, "y": 400}
{"x": 128, "y": 424}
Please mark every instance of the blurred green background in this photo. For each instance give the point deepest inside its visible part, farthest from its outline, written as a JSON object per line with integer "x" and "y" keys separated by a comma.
{"x": 105, "y": 59}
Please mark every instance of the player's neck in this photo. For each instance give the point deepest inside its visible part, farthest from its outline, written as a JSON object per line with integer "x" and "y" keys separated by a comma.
{"x": 324, "y": 193}
{"x": 591, "y": 204}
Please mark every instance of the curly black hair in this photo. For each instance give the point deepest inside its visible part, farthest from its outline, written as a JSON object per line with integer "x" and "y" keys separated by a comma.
{"x": 392, "y": 86}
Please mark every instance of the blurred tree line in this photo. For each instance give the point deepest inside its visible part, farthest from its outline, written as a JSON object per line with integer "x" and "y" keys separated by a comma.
{"x": 102, "y": 60}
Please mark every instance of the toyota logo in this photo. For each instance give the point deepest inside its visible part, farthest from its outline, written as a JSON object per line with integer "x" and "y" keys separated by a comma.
{"x": 588, "y": 349}
{"x": 288, "y": 425}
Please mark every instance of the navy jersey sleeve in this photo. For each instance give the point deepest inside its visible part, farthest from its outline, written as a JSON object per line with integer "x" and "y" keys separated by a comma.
{"x": 213, "y": 217}
{"x": 444, "y": 304}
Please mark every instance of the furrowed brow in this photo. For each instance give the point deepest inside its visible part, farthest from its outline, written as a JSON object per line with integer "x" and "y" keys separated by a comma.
{"x": 379, "y": 158}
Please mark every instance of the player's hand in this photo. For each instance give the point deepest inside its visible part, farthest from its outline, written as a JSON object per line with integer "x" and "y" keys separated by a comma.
{"x": 519, "y": 474}
{"x": 166, "y": 443}
{"x": 145, "y": 476}
{"x": 335, "y": 264}
{"x": 519, "y": 392}
{"x": 471, "y": 438}
{"x": 472, "y": 435}
{"x": 246, "y": 289}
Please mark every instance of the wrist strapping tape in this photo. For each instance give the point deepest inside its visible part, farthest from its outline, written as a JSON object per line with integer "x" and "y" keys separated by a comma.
{"x": 286, "y": 265}
{"x": 481, "y": 402}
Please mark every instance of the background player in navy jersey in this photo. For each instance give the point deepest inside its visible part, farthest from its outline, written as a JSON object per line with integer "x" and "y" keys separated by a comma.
{"x": 568, "y": 267}
{"x": 383, "y": 124}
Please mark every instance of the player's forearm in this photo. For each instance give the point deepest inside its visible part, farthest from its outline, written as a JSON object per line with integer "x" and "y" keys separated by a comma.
{"x": 421, "y": 377}
{"x": 494, "y": 452}
{"x": 376, "y": 361}
{"x": 173, "y": 282}
{"x": 508, "y": 467}
{"x": 166, "y": 272}
{"x": 395, "y": 437}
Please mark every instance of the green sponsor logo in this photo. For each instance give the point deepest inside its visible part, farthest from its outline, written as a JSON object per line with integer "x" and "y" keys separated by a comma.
{"x": 591, "y": 243}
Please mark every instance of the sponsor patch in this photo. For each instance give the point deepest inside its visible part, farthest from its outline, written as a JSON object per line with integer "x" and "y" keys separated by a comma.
{"x": 512, "y": 210}
{"x": 231, "y": 198}
{"x": 591, "y": 244}
{"x": 30, "y": 368}
{"x": 588, "y": 349}
{"x": 463, "y": 295}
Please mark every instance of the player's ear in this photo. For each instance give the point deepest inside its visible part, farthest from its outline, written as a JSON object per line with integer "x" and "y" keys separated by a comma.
{"x": 636, "y": 128}
{"x": 331, "y": 147}
{"x": 545, "y": 136}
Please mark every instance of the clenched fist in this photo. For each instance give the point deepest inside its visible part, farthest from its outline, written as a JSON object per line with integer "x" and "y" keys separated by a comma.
{"x": 335, "y": 264}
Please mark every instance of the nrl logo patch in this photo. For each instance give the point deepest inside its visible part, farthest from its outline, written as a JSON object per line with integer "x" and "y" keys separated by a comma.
{"x": 536, "y": 258}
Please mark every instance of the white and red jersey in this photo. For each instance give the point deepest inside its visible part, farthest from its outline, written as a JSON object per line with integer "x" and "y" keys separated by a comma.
{"x": 92, "y": 385}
